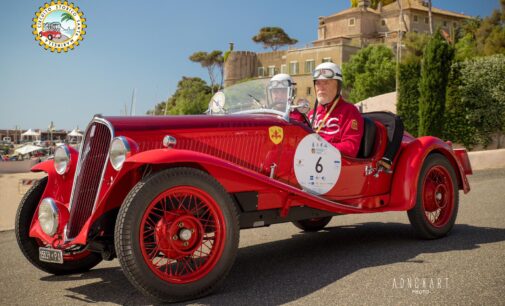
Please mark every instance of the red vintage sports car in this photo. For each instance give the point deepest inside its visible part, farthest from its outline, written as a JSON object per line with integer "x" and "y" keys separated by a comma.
{"x": 50, "y": 34}
{"x": 168, "y": 195}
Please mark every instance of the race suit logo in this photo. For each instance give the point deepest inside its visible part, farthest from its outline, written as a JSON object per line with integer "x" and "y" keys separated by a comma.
{"x": 59, "y": 26}
{"x": 276, "y": 134}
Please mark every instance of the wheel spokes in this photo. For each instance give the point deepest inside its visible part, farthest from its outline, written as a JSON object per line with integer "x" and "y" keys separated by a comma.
{"x": 179, "y": 233}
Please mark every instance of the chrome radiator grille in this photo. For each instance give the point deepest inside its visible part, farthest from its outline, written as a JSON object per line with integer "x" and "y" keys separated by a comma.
{"x": 90, "y": 169}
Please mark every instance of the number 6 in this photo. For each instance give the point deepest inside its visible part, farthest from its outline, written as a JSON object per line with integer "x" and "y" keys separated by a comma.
{"x": 319, "y": 167}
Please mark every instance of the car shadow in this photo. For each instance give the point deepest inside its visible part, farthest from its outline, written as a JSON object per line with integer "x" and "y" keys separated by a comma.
{"x": 283, "y": 271}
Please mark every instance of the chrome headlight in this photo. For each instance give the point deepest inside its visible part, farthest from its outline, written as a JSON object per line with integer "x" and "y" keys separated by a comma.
{"x": 119, "y": 150}
{"x": 62, "y": 160}
{"x": 48, "y": 216}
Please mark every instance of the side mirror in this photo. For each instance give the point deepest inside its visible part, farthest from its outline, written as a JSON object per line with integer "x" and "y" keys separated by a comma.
{"x": 216, "y": 104}
{"x": 302, "y": 105}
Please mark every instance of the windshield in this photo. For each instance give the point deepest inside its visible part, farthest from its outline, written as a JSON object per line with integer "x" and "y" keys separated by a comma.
{"x": 254, "y": 96}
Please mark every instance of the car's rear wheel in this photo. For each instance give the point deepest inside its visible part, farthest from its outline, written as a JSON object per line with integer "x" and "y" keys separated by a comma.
{"x": 177, "y": 234}
{"x": 313, "y": 224}
{"x": 437, "y": 199}
{"x": 73, "y": 262}
{"x": 50, "y": 37}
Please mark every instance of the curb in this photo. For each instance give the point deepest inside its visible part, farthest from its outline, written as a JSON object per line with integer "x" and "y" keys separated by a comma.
{"x": 491, "y": 159}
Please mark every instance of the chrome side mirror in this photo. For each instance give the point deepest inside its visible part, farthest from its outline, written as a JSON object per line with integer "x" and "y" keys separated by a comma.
{"x": 302, "y": 105}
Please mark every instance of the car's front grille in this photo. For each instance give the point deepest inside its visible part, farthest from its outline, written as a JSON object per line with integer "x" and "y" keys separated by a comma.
{"x": 88, "y": 176}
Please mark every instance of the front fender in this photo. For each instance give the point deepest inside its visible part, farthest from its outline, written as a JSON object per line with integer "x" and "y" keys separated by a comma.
{"x": 225, "y": 172}
{"x": 272, "y": 193}
{"x": 408, "y": 169}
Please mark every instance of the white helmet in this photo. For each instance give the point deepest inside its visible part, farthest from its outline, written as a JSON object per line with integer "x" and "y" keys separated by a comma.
{"x": 281, "y": 80}
{"x": 281, "y": 89}
{"x": 327, "y": 70}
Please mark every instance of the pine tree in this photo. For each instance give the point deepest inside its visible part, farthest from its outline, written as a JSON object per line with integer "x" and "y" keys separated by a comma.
{"x": 435, "y": 70}
{"x": 408, "y": 100}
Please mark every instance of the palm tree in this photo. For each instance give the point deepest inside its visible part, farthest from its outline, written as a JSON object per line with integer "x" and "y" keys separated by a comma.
{"x": 66, "y": 16}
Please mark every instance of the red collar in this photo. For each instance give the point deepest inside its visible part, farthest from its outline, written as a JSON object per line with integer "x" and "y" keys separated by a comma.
{"x": 327, "y": 106}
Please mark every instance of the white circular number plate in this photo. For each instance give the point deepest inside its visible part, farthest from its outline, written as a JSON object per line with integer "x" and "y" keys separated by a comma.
{"x": 317, "y": 164}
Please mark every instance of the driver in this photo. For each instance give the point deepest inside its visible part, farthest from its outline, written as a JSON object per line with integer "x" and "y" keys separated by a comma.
{"x": 337, "y": 121}
{"x": 281, "y": 88}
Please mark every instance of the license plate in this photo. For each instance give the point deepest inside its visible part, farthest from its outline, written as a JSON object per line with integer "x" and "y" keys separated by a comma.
{"x": 51, "y": 255}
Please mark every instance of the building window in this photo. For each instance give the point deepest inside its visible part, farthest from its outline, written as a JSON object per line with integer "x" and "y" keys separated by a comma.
{"x": 283, "y": 68}
{"x": 309, "y": 66}
{"x": 293, "y": 67}
{"x": 261, "y": 72}
{"x": 271, "y": 70}
{"x": 383, "y": 22}
{"x": 426, "y": 20}
{"x": 445, "y": 23}
{"x": 416, "y": 18}
{"x": 352, "y": 21}
{"x": 327, "y": 60}
{"x": 309, "y": 91}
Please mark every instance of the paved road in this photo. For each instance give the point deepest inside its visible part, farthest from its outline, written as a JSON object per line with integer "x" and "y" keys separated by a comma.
{"x": 366, "y": 259}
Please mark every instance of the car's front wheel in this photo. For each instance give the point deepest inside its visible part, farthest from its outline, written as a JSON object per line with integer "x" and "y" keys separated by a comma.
{"x": 177, "y": 234}
{"x": 73, "y": 262}
{"x": 436, "y": 207}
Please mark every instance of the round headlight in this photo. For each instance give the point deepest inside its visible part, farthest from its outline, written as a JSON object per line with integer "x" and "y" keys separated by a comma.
{"x": 61, "y": 159}
{"x": 119, "y": 150}
{"x": 48, "y": 216}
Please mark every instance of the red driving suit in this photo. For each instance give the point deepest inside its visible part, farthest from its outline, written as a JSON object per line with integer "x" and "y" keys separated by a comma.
{"x": 343, "y": 127}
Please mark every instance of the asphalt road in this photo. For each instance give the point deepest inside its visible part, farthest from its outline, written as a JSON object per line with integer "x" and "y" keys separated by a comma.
{"x": 365, "y": 259}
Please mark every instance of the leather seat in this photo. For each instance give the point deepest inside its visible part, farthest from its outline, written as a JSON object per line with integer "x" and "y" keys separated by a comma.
{"x": 368, "y": 139}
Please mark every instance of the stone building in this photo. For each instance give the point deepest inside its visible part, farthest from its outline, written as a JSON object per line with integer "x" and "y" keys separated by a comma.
{"x": 339, "y": 36}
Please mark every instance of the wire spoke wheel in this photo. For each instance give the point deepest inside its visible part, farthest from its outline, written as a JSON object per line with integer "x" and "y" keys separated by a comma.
{"x": 438, "y": 196}
{"x": 177, "y": 234}
{"x": 436, "y": 207}
{"x": 182, "y": 234}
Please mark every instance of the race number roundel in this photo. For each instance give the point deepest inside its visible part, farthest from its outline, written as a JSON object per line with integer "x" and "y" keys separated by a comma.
{"x": 317, "y": 164}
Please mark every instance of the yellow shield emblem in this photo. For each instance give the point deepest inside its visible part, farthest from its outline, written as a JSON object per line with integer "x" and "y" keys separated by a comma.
{"x": 276, "y": 134}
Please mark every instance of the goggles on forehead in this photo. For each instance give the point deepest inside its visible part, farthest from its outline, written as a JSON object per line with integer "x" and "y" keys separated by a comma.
{"x": 280, "y": 84}
{"x": 325, "y": 73}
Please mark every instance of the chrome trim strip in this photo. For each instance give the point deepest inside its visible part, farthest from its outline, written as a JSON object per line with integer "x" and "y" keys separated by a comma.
{"x": 78, "y": 169}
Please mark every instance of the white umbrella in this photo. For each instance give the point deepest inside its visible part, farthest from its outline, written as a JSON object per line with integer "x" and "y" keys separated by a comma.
{"x": 27, "y": 149}
{"x": 30, "y": 132}
{"x": 75, "y": 133}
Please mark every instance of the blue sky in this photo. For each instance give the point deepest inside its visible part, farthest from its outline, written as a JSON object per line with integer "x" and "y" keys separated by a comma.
{"x": 143, "y": 45}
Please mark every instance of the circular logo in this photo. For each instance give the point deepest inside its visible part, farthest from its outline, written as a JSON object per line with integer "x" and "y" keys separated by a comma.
{"x": 59, "y": 26}
{"x": 317, "y": 164}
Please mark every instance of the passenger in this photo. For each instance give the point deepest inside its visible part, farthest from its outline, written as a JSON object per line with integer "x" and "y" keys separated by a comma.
{"x": 281, "y": 88}
{"x": 336, "y": 120}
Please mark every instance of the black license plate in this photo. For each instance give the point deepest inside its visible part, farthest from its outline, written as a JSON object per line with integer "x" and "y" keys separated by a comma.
{"x": 51, "y": 255}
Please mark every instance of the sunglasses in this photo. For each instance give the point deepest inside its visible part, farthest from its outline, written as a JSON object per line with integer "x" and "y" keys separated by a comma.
{"x": 325, "y": 73}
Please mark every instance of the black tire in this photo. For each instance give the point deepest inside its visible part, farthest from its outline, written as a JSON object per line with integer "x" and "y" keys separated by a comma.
{"x": 50, "y": 37}
{"x": 438, "y": 166}
{"x": 128, "y": 235}
{"x": 312, "y": 225}
{"x": 30, "y": 246}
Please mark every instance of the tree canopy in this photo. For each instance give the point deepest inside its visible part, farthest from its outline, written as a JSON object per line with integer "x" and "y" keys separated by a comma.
{"x": 369, "y": 72}
{"x": 192, "y": 96}
{"x": 373, "y": 3}
{"x": 273, "y": 37}
{"x": 436, "y": 65}
{"x": 212, "y": 61}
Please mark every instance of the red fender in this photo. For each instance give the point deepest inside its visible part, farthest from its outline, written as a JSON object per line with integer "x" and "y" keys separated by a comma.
{"x": 45, "y": 166}
{"x": 408, "y": 169}
{"x": 237, "y": 179}
{"x": 225, "y": 172}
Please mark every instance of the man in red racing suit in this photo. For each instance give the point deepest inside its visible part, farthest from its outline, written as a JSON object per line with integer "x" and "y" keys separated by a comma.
{"x": 343, "y": 127}
{"x": 336, "y": 120}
